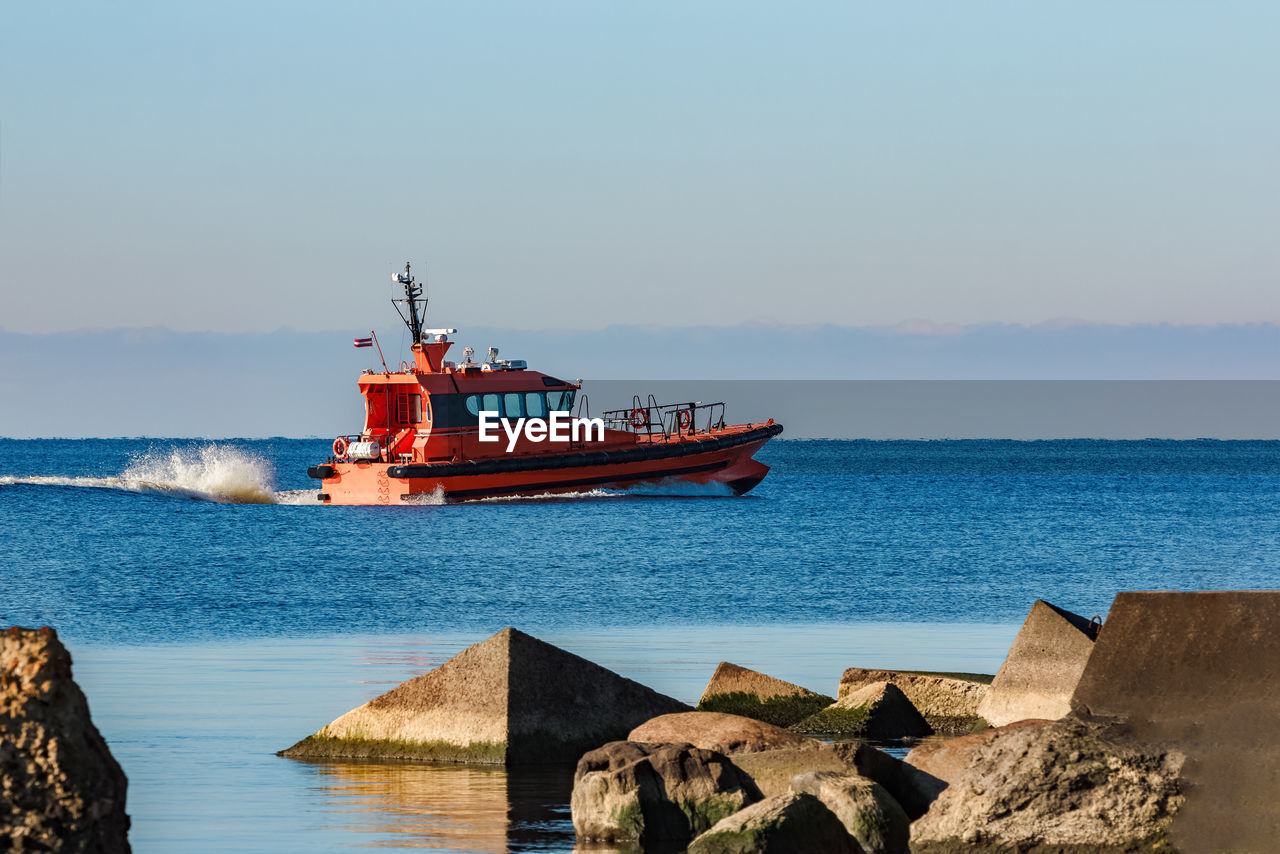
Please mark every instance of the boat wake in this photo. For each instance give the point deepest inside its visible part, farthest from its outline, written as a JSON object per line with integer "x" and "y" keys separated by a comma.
{"x": 228, "y": 475}
{"x": 217, "y": 473}
{"x": 434, "y": 498}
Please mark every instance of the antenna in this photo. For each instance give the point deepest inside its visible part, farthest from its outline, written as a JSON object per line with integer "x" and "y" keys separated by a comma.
{"x": 414, "y": 301}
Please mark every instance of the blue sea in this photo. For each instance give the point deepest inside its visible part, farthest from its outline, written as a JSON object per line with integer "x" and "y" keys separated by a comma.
{"x": 216, "y": 613}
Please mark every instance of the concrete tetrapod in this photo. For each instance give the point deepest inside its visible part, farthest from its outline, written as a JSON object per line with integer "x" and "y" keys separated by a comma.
{"x": 948, "y": 701}
{"x": 741, "y": 691}
{"x": 511, "y": 699}
{"x": 877, "y": 711}
{"x": 1042, "y": 668}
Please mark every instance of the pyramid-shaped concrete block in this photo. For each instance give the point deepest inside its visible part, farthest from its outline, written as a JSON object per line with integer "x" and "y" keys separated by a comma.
{"x": 1042, "y": 668}
{"x": 732, "y": 679}
{"x": 740, "y": 691}
{"x": 510, "y": 699}
{"x": 877, "y": 711}
{"x": 948, "y": 701}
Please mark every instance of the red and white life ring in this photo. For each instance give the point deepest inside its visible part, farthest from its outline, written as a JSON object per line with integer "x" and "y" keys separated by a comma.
{"x": 685, "y": 419}
{"x": 639, "y": 418}
{"x": 339, "y": 447}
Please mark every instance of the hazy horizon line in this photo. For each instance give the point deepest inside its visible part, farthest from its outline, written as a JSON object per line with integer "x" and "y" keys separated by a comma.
{"x": 920, "y": 327}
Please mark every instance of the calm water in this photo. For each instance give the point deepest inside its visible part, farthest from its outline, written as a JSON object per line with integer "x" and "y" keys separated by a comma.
{"x": 209, "y": 631}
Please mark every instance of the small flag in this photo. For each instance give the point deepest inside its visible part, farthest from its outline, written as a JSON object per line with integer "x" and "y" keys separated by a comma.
{"x": 364, "y": 342}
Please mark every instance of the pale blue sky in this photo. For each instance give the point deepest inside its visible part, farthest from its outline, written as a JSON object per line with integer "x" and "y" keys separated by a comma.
{"x": 247, "y": 166}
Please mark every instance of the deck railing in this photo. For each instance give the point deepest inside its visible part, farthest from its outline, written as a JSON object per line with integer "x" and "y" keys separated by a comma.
{"x": 666, "y": 419}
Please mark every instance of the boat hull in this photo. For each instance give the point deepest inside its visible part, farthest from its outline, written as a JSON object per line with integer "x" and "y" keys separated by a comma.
{"x": 724, "y": 458}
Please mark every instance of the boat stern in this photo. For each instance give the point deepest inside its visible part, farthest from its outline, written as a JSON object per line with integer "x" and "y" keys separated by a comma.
{"x": 358, "y": 483}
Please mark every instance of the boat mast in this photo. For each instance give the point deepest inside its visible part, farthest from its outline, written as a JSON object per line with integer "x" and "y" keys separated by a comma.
{"x": 413, "y": 298}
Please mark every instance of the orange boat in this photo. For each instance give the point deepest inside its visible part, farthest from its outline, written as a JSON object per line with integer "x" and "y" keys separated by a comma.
{"x": 466, "y": 430}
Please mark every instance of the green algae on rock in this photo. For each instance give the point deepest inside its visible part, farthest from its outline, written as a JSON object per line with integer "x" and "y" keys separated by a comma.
{"x": 326, "y": 747}
{"x": 778, "y": 710}
{"x": 837, "y": 721}
{"x": 879, "y": 711}
{"x": 510, "y": 699}
{"x": 738, "y": 690}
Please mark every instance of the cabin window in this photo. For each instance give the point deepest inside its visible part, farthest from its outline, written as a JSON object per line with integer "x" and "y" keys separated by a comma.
{"x": 473, "y": 404}
{"x": 427, "y": 406}
{"x": 492, "y": 403}
{"x": 535, "y": 405}
{"x": 408, "y": 408}
{"x": 560, "y": 401}
{"x": 513, "y": 404}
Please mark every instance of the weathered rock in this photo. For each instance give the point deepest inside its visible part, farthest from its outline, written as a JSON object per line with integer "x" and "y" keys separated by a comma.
{"x": 511, "y": 699}
{"x": 913, "y": 789}
{"x": 773, "y": 770}
{"x": 1067, "y": 785}
{"x": 633, "y": 792}
{"x": 1200, "y": 671}
{"x": 1042, "y": 668}
{"x": 948, "y": 701}
{"x": 60, "y": 788}
{"x": 865, "y": 808}
{"x": 724, "y": 733}
{"x": 738, "y": 691}
{"x": 784, "y": 824}
{"x": 877, "y": 711}
{"x": 947, "y": 758}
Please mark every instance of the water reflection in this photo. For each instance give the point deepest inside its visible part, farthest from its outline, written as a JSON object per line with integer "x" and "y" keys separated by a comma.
{"x": 447, "y": 807}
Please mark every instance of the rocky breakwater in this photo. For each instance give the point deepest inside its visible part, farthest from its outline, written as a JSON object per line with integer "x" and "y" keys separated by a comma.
{"x": 510, "y": 699}
{"x": 1049, "y": 779}
{"x": 732, "y": 783}
{"x": 1170, "y": 742}
{"x": 769, "y": 754}
{"x": 60, "y": 788}
{"x": 876, "y": 709}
